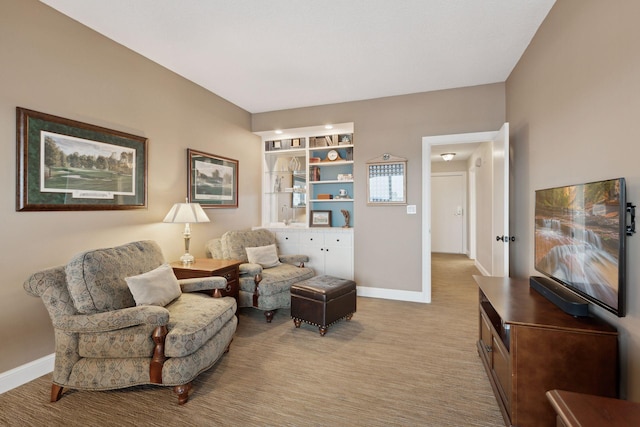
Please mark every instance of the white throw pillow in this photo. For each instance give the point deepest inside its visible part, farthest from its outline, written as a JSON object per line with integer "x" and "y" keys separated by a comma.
{"x": 266, "y": 256}
{"x": 156, "y": 287}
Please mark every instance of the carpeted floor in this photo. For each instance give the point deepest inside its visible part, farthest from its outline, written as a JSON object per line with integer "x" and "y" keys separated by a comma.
{"x": 395, "y": 364}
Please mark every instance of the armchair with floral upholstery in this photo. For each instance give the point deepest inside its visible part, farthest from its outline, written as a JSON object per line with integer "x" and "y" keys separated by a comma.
{"x": 265, "y": 276}
{"x": 121, "y": 318}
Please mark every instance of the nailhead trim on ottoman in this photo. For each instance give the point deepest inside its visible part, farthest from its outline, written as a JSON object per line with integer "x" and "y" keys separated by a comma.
{"x": 322, "y": 301}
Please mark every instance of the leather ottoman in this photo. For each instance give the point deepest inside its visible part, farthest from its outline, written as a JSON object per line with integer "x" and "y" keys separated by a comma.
{"x": 322, "y": 301}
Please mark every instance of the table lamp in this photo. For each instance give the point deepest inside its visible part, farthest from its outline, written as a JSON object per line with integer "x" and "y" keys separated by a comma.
{"x": 186, "y": 213}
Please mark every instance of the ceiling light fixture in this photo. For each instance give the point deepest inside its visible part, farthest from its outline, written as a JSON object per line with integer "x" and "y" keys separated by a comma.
{"x": 328, "y": 127}
{"x": 278, "y": 132}
{"x": 447, "y": 157}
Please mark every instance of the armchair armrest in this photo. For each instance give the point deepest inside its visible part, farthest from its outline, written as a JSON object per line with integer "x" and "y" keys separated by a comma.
{"x": 202, "y": 284}
{"x": 113, "y": 320}
{"x": 250, "y": 270}
{"x": 294, "y": 259}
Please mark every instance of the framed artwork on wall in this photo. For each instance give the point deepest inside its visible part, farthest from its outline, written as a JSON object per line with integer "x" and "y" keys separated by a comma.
{"x": 65, "y": 165}
{"x": 387, "y": 181}
{"x": 320, "y": 219}
{"x": 212, "y": 180}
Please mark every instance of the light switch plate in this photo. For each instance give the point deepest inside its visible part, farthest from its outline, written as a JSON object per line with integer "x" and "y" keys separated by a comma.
{"x": 411, "y": 209}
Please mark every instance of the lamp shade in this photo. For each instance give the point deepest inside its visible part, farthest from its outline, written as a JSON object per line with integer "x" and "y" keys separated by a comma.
{"x": 186, "y": 213}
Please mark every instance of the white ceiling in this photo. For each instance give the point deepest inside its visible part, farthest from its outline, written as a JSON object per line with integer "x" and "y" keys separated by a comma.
{"x": 266, "y": 55}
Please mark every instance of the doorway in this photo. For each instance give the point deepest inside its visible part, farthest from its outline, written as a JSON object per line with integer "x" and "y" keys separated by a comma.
{"x": 498, "y": 181}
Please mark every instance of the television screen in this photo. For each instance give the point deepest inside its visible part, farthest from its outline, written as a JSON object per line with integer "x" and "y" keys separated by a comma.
{"x": 580, "y": 239}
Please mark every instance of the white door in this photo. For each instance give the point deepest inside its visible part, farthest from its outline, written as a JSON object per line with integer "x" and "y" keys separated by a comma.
{"x": 500, "y": 154}
{"x": 448, "y": 195}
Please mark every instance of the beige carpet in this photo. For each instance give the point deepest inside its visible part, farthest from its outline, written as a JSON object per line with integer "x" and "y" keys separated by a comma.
{"x": 395, "y": 364}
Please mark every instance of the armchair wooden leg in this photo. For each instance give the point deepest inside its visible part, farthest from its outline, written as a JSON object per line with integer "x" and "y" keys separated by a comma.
{"x": 183, "y": 393}
{"x": 56, "y": 392}
{"x": 269, "y": 315}
{"x": 155, "y": 367}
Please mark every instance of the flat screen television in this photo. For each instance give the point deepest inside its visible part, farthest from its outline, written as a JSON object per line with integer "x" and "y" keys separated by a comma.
{"x": 580, "y": 233}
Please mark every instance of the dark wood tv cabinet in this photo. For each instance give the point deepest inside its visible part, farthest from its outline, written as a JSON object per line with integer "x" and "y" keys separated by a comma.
{"x": 529, "y": 346}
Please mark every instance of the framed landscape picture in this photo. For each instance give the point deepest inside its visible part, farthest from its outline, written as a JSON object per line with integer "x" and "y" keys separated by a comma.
{"x": 320, "y": 219}
{"x": 212, "y": 181}
{"x": 63, "y": 164}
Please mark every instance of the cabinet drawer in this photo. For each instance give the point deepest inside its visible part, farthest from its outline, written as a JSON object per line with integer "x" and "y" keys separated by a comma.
{"x": 229, "y": 274}
{"x": 286, "y": 237}
{"x": 337, "y": 239}
{"x": 310, "y": 238}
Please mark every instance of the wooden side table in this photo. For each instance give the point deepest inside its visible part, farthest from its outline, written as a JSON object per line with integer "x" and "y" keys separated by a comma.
{"x": 585, "y": 410}
{"x": 208, "y": 267}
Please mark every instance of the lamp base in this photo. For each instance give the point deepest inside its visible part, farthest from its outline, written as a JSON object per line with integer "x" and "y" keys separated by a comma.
{"x": 187, "y": 259}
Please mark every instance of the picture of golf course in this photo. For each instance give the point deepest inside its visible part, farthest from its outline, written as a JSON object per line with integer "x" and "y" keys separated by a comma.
{"x": 213, "y": 181}
{"x": 86, "y": 168}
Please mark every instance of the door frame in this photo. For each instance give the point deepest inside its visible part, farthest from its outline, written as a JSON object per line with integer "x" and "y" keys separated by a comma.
{"x": 427, "y": 143}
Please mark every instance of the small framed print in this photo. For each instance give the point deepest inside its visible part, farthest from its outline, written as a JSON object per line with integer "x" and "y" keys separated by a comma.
{"x": 320, "y": 219}
{"x": 277, "y": 145}
{"x": 295, "y": 142}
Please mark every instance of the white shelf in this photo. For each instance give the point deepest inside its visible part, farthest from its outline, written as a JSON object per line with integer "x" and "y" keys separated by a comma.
{"x": 301, "y": 151}
{"x": 330, "y": 200}
{"x": 335, "y": 163}
{"x": 330, "y": 147}
{"x": 332, "y": 181}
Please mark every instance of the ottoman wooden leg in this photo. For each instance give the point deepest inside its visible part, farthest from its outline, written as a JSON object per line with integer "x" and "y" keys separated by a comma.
{"x": 269, "y": 315}
{"x": 323, "y": 330}
{"x": 349, "y": 316}
{"x": 297, "y": 322}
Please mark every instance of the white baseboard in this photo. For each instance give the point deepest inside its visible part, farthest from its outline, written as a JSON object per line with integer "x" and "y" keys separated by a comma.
{"x": 392, "y": 294}
{"x": 27, "y": 372}
{"x": 482, "y": 269}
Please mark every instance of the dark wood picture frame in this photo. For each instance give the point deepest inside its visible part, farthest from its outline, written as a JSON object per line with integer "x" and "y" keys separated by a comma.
{"x": 320, "y": 219}
{"x": 66, "y": 165}
{"x": 212, "y": 180}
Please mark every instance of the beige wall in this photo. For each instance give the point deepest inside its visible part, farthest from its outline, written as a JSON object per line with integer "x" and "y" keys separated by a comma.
{"x": 388, "y": 241}
{"x": 457, "y": 166}
{"x": 54, "y": 65}
{"x": 573, "y": 102}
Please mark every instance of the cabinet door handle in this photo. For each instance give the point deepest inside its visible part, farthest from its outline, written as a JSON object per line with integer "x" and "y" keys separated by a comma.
{"x": 488, "y": 348}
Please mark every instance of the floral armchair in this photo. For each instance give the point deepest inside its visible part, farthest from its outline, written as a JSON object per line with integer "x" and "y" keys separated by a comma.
{"x": 121, "y": 318}
{"x": 265, "y": 276}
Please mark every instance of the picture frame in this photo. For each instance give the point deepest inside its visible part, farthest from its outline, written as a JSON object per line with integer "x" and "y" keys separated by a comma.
{"x": 387, "y": 181}
{"x": 277, "y": 145}
{"x": 295, "y": 142}
{"x": 212, "y": 180}
{"x": 67, "y": 165}
{"x": 320, "y": 219}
